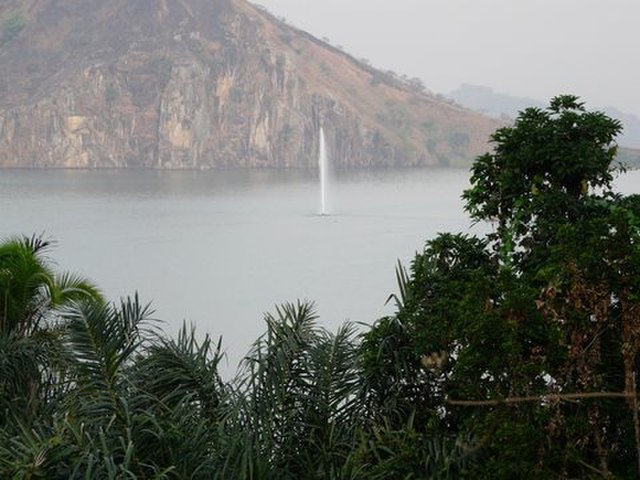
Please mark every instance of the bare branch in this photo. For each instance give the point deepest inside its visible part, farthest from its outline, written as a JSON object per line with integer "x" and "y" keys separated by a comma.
{"x": 550, "y": 398}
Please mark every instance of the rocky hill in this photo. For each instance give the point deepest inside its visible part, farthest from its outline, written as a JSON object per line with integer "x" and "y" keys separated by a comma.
{"x": 202, "y": 84}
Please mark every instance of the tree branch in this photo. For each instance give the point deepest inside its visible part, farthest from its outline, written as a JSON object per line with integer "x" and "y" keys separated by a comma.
{"x": 554, "y": 397}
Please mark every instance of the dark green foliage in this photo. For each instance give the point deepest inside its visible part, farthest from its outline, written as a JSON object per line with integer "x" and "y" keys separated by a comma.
{"x": 404, "y": 453}
{"x": 119, "y": 400}
{"x": 31, "y": 296}
{"x": 300, "y": 407}
{"x": 183, "y": 369}
{"x": 29, "y": 290}
{"x": 545, "y": 306}
{"x": 542, "y": 168}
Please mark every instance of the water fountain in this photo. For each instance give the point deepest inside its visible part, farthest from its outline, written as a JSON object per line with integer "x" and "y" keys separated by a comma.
{"x": 323, "y": 164}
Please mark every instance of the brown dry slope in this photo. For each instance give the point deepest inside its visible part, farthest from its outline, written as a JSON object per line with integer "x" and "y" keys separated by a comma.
{"x": 201, "y": 84}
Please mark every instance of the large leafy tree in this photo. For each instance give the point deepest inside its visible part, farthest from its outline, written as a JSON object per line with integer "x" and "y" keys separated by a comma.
{"x": 570, "y": 246}
{"x": 529, "y": 338}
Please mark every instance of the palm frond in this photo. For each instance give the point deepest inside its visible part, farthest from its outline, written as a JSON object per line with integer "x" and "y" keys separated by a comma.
{"x": 335, "y": 372}
{"x": 29, "y": 381}
{"x": 403, "y": 281}
{"x": 29, "y": 288}
{"x": 101, "y": 340}
{"x": 20, "y": 372}
{"x": 181, "y": 369}
{"x": 406, "y": 453}
{"x": 68, "y": 287}
{"x": 299, "y": 395}
{"x": 22, "y": 273}
{"x": 178, "y": 441}
{"x": 38, "y": 244}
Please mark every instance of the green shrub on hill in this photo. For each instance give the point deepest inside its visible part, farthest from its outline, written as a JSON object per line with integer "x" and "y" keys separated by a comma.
{"x": 11, "y": 27}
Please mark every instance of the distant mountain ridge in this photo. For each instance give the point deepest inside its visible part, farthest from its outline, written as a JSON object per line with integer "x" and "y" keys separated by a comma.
{"x": 486, "y": 100}
{"x": 205, "y": 84}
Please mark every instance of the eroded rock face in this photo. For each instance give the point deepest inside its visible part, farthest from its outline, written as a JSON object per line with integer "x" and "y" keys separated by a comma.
{"x": 202, "y": 84}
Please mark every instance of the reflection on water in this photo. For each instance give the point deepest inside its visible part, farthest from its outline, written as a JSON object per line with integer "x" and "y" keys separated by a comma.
{"x": 143, "y": 183}
{"x": 219, "y": 248}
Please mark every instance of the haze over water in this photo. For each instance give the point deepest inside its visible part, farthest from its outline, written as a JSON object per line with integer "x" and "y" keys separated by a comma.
{"x": 220, "y": 248}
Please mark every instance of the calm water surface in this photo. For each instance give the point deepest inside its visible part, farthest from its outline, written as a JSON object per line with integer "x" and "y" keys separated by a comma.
{"x": 220, "y": 248}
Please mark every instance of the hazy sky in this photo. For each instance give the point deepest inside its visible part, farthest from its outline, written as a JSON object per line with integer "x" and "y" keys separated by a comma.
{"x": 534, "y": 48}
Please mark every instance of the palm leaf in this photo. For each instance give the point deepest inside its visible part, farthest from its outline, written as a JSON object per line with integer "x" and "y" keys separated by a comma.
{"x": 181, "y": 369}
{"x": 29, "y": 288}
{"x": 100, "y": 341}
{"x": 403, "y": 280}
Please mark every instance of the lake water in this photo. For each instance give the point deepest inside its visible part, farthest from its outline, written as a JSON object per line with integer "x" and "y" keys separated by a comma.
{"x": 219, "y": 248}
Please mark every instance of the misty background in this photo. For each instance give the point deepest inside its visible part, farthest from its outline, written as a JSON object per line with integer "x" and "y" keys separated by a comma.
{"x": 535, "y": 49}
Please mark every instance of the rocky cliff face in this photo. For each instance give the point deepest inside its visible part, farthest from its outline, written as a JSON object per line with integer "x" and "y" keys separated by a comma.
{"x": 203, "y": 84}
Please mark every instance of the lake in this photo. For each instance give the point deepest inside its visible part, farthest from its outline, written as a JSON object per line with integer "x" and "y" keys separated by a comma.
{"x": 220, "y": 248}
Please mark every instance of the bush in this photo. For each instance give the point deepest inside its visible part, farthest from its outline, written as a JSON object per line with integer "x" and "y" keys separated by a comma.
{"x": 11, "y": 27}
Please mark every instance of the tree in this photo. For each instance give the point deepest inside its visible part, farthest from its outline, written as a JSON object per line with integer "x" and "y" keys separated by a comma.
{"x": 31, "y": 295}
{"x": 109, "y": 396}
{"x": 296, "y": 408}
{"x": 500, "y": 333}
{"x": 105, "y": 395}
{"x": 541, "y": 170}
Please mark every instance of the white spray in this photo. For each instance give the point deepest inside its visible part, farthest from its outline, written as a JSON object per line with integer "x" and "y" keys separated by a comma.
{"x": 322, "y": 163}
